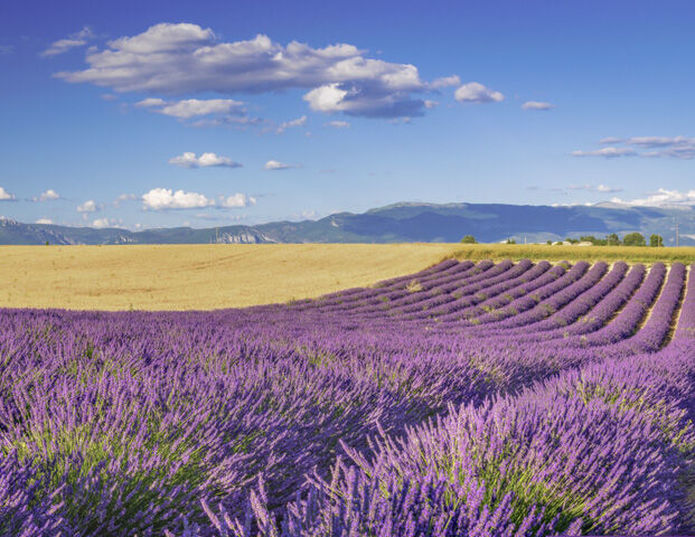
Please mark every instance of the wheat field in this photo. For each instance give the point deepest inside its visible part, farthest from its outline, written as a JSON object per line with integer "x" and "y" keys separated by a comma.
{"x": 203, "y": 277}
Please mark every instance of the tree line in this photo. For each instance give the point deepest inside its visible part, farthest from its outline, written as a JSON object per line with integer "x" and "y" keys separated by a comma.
{"x": 631, "y": 239}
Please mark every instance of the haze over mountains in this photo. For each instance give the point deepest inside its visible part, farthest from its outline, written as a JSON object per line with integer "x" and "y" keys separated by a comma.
{"x": 400, "y": 222}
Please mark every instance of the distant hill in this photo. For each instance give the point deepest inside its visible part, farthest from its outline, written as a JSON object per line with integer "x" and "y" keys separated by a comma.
{"x": 400, "y": 222}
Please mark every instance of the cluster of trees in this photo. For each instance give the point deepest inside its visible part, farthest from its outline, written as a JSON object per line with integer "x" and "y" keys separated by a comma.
{"x": 631, "y": 239}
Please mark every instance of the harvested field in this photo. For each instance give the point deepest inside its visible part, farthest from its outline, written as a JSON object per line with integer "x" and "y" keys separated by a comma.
{"x": 201, "y": 277}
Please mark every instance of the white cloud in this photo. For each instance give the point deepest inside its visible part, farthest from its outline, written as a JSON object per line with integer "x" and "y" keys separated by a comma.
{"x": 237, "y": 201}
{"x": 164, "y": 198}
{"x": 185, "y": 58}
{"x": 679, "y": 147}
{"x": 150, "y": 101}
{"x": 445, "y": 82}
{"x": 205, "y": 160}
{"x": 662, "y": 198}
{"x": 610, "y": 140}
{"x": 275, "y": 165}
{"x": 48, "y": 195}
{"x": 6, "y": 49}
{"x": 474, "y": 92}
{"x": 44, "y": 221}
{"x": 109, "y": 97}
{"x": 103, "y": 222}
{"x": 592, "y": 188}
{"x": 5, "y": 195}
{"x": 537, "y": 105}
{"x": 123, "y": 197}
{"x": 241, "y": 122}
{"x": 605, "y": 188}
{"x": 430, "y": 104}
{"x": 77, "y": 39}
{"x": 299, "y": 122}
{"x": 608, "y": 152}
{"x": 189, "y": 108}
{"x": 658, "y": 141}
{"x": 337, "y": 124}
{"x": 88, "y": 206}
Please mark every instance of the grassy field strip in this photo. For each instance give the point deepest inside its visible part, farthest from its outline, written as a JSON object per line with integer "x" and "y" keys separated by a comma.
{"x": 629, "y": 254}
{"x": 204, "y": 277}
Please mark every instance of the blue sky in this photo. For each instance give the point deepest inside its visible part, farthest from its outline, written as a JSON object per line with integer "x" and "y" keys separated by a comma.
{"x": 215, "y": 113}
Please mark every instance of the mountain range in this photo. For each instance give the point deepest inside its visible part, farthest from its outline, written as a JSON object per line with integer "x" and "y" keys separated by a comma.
{"x": 400, "y": 222}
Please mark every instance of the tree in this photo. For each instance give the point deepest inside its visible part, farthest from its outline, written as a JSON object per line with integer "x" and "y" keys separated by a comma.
{"x": 613, "y": 240}
{"x": 548, "y": 242}
{"x": 656, "y": 240}
{"x": 511, "y": 241}
{"x": 469, "y": 239}
{"x": 634, "y": 239}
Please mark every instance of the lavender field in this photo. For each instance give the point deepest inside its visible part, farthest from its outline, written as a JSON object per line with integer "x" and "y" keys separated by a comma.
{"x": 495, "y": 399}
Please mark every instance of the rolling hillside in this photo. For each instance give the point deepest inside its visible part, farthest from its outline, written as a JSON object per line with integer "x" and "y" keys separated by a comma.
{"x": 401, "y": 222}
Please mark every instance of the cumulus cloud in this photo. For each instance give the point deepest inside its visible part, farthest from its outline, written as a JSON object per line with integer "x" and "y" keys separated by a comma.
{"x": 158, "y": 199}
{"x": 78, "y": 39}
{"x": 186, "y": 58}
{"x": 299, "y": 122}
{"x": 275, "y": 165}
{"x": 680, "y": 147}
{"x": 474, "y": 92}
{"x": 205, "y": 160}
{"x": 45, "y": 221}
{"x": 237, "y": 201}
{"x": 5, "y": 195}
{"x": 101, "y": 223}
{"x": 607, "y": 152}
{"x": 445, "y": 82}
{"x": 188, "y": 108}
{"x": 48, "y": 195}
{"x": 337, "y": 124}
{"x": 88, "y": 206}
{"x": 537, "y": 105}
{"x": 662, "y": 198}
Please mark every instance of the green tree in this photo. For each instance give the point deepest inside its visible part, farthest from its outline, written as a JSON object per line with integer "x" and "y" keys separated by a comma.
{"x": 656, "y": 240}
{"x": 511, "y": 241}
{"x": 613, "y": 240}
{"x": 634, "y": 239}
{"x": 469, "y": 239}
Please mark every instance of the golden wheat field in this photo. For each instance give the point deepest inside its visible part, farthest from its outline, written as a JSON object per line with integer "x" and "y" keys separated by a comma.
{"x": 191, "y": 277}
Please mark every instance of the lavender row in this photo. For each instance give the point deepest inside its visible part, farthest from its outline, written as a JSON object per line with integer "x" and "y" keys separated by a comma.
{"x": 530, "y": 300}
{"x": 488, "y": 293}
{"x": 548, "y": 306}
{"x": 436, "y": 288}
{"x": 451, "y": 271}
{"x": 442, "y": 294}
{"x": 590, "y": 311}
{"x": 686, "y": 321}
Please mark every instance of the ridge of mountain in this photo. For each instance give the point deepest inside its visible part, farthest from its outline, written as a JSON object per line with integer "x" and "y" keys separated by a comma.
{"x": 397, "y": 222}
